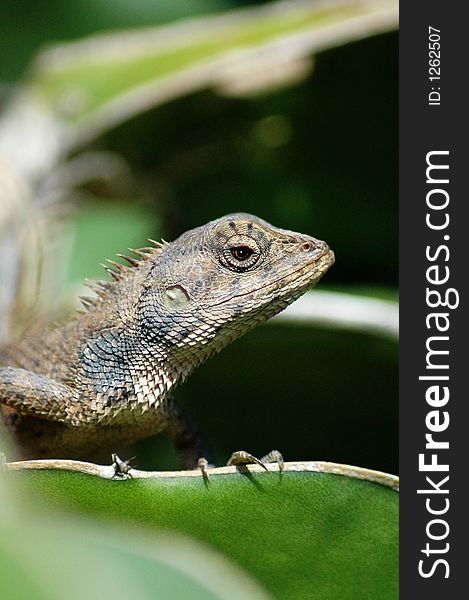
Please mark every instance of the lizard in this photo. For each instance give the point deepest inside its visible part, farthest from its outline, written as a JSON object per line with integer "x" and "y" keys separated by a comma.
{"x": 106, "y": 376}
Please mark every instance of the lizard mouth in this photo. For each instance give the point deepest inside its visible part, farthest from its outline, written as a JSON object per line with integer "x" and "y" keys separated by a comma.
{"x": 322, "y": 263}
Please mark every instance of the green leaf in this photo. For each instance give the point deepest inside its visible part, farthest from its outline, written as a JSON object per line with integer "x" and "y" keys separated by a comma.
{"x": 304, "y": 534}
{"x": 46, "y": 555}
{"x": 105, "y": 79}
{"x": 344, "y": 310}
{"x": 58, "y": 559}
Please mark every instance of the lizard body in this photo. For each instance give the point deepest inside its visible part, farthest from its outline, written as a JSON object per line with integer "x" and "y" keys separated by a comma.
{"x": 105, "y": 377}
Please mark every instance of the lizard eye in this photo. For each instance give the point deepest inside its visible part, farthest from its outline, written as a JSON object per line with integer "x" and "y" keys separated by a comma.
{"x": 240, "y": 253}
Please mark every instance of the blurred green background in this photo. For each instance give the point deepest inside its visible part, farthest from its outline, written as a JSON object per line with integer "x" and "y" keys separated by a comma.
{"x": 319, "y": 157}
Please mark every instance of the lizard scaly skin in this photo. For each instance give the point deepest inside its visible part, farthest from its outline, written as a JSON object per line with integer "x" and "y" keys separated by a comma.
{"x": 104, "y": 378}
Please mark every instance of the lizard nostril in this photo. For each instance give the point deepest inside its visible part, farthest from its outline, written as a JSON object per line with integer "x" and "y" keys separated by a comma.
{"x": 306, "y": 246}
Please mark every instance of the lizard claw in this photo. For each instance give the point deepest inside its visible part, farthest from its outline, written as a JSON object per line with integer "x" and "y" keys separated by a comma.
{"x": 122, "y": 468}
{"x": 241, "y": 457}
{"x": 203, "y": 465}
{"x": 274, "y": 456}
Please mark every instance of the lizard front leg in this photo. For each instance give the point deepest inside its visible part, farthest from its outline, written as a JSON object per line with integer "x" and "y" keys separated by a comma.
{"x": 191, "y": 447}
{"x": 34, "y": 395}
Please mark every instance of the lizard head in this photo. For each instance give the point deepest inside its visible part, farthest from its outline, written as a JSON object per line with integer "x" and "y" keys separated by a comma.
{"x": 217, "y": 281}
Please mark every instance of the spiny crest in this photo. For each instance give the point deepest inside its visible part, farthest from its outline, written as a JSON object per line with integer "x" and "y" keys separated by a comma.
{"x": 87, "y": 301}
{"x": 162, "y": 245}
{"x": 118, "y": 271}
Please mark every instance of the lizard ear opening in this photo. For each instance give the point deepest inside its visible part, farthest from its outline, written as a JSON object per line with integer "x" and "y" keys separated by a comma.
{"x": 176, "y": 297}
